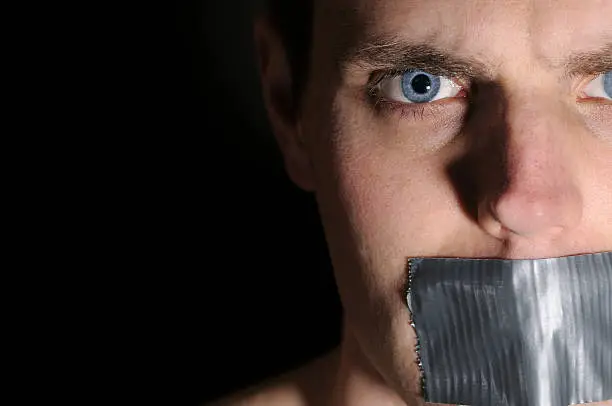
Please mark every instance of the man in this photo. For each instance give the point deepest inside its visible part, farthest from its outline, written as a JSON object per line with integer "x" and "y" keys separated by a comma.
{"x": 434, "y": 128}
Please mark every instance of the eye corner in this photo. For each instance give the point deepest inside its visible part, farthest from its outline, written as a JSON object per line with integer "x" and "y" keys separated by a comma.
{"x": 596, "y": 87}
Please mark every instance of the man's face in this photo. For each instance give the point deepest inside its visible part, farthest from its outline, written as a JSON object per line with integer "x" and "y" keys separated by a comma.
{"x": 506, "y": 154}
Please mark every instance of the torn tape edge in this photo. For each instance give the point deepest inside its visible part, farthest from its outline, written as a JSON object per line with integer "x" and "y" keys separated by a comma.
{"x": 412, "y": 262}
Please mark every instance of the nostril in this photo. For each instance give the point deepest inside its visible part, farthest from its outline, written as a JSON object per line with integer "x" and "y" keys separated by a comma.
{"x": 489, "y": 221}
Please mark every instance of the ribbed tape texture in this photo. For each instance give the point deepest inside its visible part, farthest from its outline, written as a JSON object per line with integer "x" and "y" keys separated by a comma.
{"x": 514, "y": 333}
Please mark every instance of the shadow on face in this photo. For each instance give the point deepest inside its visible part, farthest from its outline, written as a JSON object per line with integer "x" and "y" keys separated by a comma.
{"x": 482, "y": 169}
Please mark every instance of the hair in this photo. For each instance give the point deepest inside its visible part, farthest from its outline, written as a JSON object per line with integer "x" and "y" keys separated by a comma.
{"x": 293, "y": 19}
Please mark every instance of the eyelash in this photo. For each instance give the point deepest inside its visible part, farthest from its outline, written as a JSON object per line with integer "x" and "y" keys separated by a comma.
{"x": 414, "y": 111}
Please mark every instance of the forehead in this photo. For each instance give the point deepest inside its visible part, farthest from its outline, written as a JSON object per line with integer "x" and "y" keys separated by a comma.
{"x": 548, "y": 29}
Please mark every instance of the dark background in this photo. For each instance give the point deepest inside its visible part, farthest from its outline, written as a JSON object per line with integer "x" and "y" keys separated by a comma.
{"x": 247, "y": 288}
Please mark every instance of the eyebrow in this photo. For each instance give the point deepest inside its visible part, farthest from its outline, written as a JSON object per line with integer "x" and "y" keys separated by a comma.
{"x": 398, "y": 55}
{"x": 591, "y": 62}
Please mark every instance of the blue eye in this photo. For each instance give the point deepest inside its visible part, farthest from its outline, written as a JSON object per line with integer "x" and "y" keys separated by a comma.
{"x": 608, "y": 83}
{"x": 419, "y": 86}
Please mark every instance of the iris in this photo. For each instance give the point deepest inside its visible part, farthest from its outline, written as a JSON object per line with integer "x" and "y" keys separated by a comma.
{"x": 419, "y": 86}
{"x": 608, "y": 83}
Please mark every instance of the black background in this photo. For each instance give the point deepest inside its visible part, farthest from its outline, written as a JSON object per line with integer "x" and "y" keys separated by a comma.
{"x": 246, "y": 289}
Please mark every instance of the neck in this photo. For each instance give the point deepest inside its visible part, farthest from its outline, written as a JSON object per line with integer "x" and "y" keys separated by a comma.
{"x": 357, "y": 382}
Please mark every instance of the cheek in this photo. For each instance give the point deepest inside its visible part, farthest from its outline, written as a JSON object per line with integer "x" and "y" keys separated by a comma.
{"x": 390, "y": 176}
{"x": 598, "y": 119}
{"x": 596, "y": 175}
{"x": 393, "y": 202}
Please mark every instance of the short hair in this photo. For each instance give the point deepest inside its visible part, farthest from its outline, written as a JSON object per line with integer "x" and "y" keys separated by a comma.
{"x": 293, "y": 19}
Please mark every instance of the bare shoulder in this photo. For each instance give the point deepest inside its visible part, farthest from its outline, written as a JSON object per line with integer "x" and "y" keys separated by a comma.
{"x": 269, "y": 394}
{"x": 309, "y": 385}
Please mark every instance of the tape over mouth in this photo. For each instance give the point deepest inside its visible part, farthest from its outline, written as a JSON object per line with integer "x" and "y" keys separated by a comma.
{"x": 513, "y": 332}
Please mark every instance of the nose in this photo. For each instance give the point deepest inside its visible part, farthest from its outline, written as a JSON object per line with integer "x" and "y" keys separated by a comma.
{"x": 538, "y": 196}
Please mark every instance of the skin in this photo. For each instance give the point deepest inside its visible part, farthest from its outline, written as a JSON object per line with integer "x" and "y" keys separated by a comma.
{"x": 519, "y": 168}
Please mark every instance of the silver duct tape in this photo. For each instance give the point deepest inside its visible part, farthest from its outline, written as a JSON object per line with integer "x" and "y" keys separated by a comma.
{"x": 513, "y": 332}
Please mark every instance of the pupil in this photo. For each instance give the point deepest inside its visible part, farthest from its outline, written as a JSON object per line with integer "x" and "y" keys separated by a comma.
{"x": 421, "y": 84}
